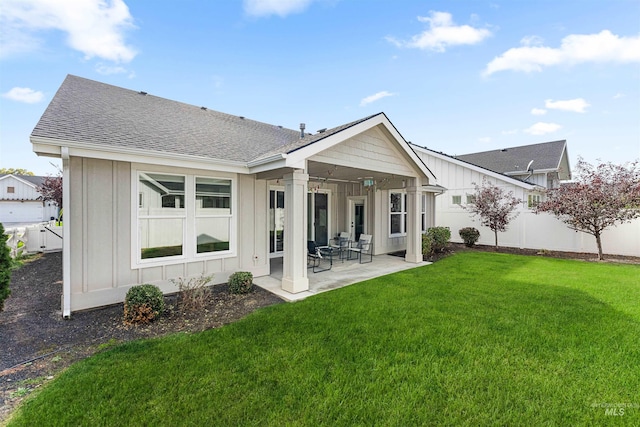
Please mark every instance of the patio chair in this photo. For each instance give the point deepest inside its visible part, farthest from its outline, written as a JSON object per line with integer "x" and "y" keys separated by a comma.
{"x": 315, "y": 256}
{"x": 342, "y": 244}
{"x": 364, "y": 247}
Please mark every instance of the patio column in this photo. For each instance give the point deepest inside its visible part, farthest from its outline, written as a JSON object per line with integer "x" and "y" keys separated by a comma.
{"x": 414, "y": 226}
{"x": 294, "y": 264}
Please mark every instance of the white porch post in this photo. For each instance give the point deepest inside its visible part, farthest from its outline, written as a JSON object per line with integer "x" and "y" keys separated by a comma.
{"x": 414, "y": 226}
{"x": 294, "y": 265}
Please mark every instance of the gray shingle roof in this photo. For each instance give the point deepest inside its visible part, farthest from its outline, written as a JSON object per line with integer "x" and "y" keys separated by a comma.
{"x": 310, "y": 139}
{"x": 86, "y": 111}
{"x": 546, "y": 155}
{"x": 35, "y": 180}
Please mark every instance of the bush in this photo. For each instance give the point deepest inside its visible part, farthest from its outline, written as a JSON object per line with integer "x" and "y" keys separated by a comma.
{"x": 427, "y": 244}
{"x": 241, "y": 282}
{"x": 6, "y": 265}
{"x": 440, "y": 237}
{"x": 469, "y": 235}
{"x": 193, "y": 293}
{"x": 143, "y": 304}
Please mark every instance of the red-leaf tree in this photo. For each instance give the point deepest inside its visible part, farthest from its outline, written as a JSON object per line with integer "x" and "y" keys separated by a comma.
{"x": 601, "y": 196}
{"x": 51, "y": 189}
{"x": 494, "y": 205}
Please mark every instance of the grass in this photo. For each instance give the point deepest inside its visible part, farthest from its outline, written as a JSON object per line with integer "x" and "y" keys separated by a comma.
{"x": 475, "y": 339}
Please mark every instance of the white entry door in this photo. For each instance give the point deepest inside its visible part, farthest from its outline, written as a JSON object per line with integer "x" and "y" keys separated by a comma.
{"x": 357, "y": 217}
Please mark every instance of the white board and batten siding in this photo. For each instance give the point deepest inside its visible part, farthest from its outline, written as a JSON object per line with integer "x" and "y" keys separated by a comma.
{"x": 101, "y": 217}
{"x": 370, "y": 150}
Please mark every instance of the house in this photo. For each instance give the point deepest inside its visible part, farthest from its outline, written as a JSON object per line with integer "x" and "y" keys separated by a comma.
{"x": 156, "y": 189}
{"x": 544, "y": 164}
{"x": 526, "y": 171}
{"x": 20, "y": 201}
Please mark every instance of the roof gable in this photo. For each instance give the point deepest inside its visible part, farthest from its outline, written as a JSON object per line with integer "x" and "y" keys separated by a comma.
{"x": 28, "y": 180}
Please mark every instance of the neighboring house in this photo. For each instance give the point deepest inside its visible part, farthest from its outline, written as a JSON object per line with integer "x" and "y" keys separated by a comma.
{"x": 527, "y": 171}
{"x": 544, "y": 164}
{"x": 156, "y": 189}
{"x": 20, "y": 201}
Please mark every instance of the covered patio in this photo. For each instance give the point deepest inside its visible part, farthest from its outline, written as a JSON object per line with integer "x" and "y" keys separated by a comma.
{"x": 341, "y": 274}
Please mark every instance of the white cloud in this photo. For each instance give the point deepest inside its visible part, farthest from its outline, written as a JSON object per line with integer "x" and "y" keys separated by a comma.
{"x": 618, "y": 95}
{"x": 531, "y": 41}
{"x": 574, "y": 49}
{"x": 442, "y": 33}
{"x": 281, "y": 8}
{"x": 484, "y": 139}
{"x": 542, "y": 128}
{"x": 538, "y": 111}
{"x": 94, "y": 27}
{"x": 24, "y": 94}
{"x": 577, "y": 105}
{"x": 375, "y": 97}
{"x": 110, "y": 69}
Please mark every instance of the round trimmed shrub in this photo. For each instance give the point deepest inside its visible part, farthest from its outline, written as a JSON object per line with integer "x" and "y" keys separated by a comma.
{"x": 469, "y": 235}
{"x": 241, "y": 282}
{"x": 427, "y": 243}
{"x": 440, "y": 238}
{"x": 143, "y": 304}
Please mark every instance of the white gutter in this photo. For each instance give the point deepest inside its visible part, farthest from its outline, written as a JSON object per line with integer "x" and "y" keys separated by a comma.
{"x": 66, "y": 234}
{"x": 266, "y": 160}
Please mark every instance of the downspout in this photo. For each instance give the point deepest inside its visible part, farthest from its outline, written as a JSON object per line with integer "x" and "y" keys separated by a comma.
{"x": 66, "y": 234}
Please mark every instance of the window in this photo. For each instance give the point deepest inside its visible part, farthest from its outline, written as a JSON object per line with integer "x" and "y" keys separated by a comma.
{"x": 213, "y": 214}
{"x": 471, "y": 199}
{"x": 161, "y": 222}
{"x": 11, "y": 190}
{"x": 183, "y": 215}
{"x": 424, "y": 213}
{"x": 456, "y": 200}
{"x": 533, "y": 200}
{"x": 398, "y": 213}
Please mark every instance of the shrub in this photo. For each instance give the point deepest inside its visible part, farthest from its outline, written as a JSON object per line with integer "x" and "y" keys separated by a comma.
{"x": 193, "y": 293}
{"x": 469, "y": 235}
{"x": 143, "y": 303}
{"x": 6, "y": 265}
{"x": 440, "y": 237}
{"x": 427, "y": 244}
{"x": 241, "y": 282}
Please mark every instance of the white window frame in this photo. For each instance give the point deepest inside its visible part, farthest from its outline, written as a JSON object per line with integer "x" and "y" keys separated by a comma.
{"x": 402, "y": 213}
{"x": 189, "y": 237}
{"x": 533, "y": 200}
{"x": 453, "y": 198}
{"x": 423, "y": 213}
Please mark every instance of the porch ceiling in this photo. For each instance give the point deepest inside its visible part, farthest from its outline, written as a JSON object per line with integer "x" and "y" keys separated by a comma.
{"x": 334, "y": 173}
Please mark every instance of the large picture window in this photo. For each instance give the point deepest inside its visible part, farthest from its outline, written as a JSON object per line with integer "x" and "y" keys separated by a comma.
{"x": 183, "y": 215}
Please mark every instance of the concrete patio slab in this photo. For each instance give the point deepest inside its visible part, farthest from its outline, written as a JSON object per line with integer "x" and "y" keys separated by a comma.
{"x": 341, "y": 274}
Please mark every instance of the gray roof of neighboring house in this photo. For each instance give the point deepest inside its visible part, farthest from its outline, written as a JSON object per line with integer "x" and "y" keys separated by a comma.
{"x": 35, "y": 180}
{"x": 546, "y": 155}
{"x": 86, "y": 111}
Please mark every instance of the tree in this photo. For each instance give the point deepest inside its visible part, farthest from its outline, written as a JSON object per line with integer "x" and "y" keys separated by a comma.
{"x": 494, "y": 206}
{"x": 14, "y": 171}
{"x": 51, "y": 189}
{"x": 6, "y": 265}
{"x": 601, "y": 196}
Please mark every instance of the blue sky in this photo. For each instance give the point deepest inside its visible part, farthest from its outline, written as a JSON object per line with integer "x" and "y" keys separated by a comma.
{"x": 454, "y": 76}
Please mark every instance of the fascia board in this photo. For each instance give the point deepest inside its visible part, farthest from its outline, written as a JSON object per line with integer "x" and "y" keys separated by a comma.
{"x": 271, "y": 163}
{"x": 51, "y": 147}
{"x": 476, "y": 168}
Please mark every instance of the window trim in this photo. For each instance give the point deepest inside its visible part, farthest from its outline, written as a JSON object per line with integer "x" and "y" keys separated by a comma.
{"x": 402, "y": 213}
{"x": 189, "y": 239}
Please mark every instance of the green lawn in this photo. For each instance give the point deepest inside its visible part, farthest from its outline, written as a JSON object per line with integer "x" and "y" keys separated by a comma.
{"x": 475, "y": 339}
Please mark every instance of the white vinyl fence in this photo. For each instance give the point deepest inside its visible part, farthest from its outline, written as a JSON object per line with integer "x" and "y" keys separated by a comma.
{"x": 544, "y": 231}
{"x": 43, "y": 237}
